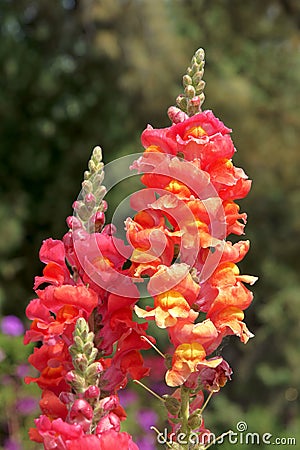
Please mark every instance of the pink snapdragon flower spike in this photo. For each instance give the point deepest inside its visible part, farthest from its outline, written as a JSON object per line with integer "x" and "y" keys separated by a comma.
{"x": 79, "y": 402}
{"x": 189, "y": 168}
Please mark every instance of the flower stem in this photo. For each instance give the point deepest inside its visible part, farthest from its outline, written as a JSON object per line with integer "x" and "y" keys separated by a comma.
{"x": 207, "y": 401}
{"x": 153, "y": 346}
{"x": 149, "y": 390}
{"x": 185, "y": 411}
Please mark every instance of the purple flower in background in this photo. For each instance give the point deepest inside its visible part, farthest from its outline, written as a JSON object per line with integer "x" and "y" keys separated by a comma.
{"x": 160, "y": 387}
{"x": 146, "y": 418}
{"x": 11, "y": 444}
{"x": 12, "y": 326}
{"x": 127, "y": 397}
{"x": 146, "y": 443}
{"x": 27, "y": 405}
{"x": 22, "y": 370}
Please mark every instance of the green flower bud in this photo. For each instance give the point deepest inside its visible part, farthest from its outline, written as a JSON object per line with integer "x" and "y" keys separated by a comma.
{"x": 198, "y": 77}
{"x": 87, "y": 348}
{"x": 79, "y": 384}
{"x": 80, "y": 362}
{"x": 172, "y": 404}
{"x": 200, "y": 55}
{"x": 81, "y": 326}
{"x": 187, "y": 80}
{"x": 92, "y": 372}
{"x": 91, "y": 166}
{"x": 97, "y": 153}
{"x": 190, "y": 91}
{"x": 87, "y": 186}
{"x": 181, "y": 102}
{"x": 99, "y": 193}
{"x": 195, "y": 420}
{"x": 93, "y": 355}
{"x": 78, "y": 343}
{"x": 200, "y": 86}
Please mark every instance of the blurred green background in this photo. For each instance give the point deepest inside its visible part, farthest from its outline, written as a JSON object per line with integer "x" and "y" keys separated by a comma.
{"x": 75, "y": 74}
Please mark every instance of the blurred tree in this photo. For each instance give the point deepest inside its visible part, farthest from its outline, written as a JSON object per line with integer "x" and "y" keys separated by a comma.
{"x": 74, "y": 74}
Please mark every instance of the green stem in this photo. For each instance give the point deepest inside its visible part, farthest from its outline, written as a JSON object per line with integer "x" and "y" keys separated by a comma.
{"x": 149, "y": 390}
{"x": 207, "y": 401}
{"x": 185, "y": 412}
{"x": 144, "y": 338}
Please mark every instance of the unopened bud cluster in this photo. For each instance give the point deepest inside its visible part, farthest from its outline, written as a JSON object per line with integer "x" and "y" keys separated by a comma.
{"x": 90, "y": 209}
{"x": 85, "y": 376}
{"x": 191, "y": 100}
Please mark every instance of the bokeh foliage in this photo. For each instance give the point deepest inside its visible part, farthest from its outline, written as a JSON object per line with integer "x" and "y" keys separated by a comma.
{"x": 79, "y": 73}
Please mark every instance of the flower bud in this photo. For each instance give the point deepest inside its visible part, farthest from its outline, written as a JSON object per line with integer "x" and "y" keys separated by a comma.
{"x": 197, "y": 78}
{"x": 186, "y": 80}
{"x": 97, "y": 180}
{"x": 87, "y": 186}
{"x": 81, "y": 362}
{"x": 83, "y": 212}
{"x": 70, "y": 376}
{"x": 172, "y": 404}
{"x": 66, "y": 397}
{"x": 176, "y": 115}
{"x": 87, "y": 348}
{"x": 76, "y": 205}
{"x": 195, "y": 420}
{"x": 81, "y": 414}
{"x": 109, "y": 422}
{"x": 200, "y": 86}
{"x": 109, "y": 403}
{"x": 90, "y": 200}
{"x": 195, "y": 101}
{"x": 100, "y": 192}
{"x": 73, "y": 222}
{"x": 92, "y": 166}
{"x": 92, "y": 372}
{"x": 81, "y": 326}
{"x": 200, "y": 55}
{"x": 77, "y": 381}
{"x": 81, "y": 408}
{"x": 92, "y": 392}
{"x": 97, "y": 153}
{"x": 98, "y": 220}
{"x": 92, "y": 356}
{"x": 181, "y": 102}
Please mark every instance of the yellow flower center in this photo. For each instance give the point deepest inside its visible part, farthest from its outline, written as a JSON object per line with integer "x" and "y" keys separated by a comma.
{"x": 195, "y": 132}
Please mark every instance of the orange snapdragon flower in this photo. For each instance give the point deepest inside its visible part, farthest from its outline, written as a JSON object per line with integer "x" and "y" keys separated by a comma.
{"x": 186, "y": 359}
{"x": 168, "y": 307}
